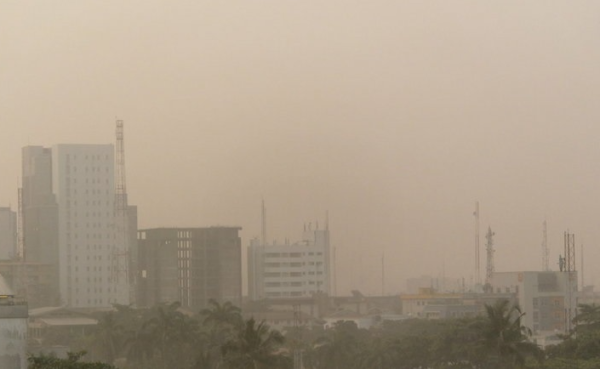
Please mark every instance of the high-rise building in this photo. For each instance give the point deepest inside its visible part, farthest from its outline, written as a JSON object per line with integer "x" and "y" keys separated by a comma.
{"x": 69, "y": 222}
{"x": 83, "y": 182}
{"x": 39, "y": 207}
{"x": 8, "y": 234}
{"x": 290, "y": 270}
{"x": 39, "y": 220}
{"x": 190, "y": 266}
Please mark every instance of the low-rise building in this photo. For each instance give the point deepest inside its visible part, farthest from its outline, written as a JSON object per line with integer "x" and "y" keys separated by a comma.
{"x": 293, "y": 270}
{"x": 13, "y": 329}
{"x": 548, "y": 299}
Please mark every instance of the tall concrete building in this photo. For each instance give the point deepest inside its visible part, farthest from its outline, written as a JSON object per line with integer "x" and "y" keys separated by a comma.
{"x": 8, "y": 234}
{"x": 83, "y": 182}
{"x": 68, "y": 201}
{"x": 290, "y": 270}
{"x": 39, "y": 217}
{"x": 190, "y": 266}
{"x": 39, "y": 207}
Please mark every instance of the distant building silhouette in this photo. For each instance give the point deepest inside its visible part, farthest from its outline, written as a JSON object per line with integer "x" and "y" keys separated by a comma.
{"x": 190, "y": 266}
{"x": 8, "y": 233}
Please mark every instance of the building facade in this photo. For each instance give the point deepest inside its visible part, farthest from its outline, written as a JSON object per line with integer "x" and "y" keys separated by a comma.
{"x": 39, "y": 217}
{"x": 13, "y": 329}
{"x": 190, "y": 266}
{"x": 32, "y": 282}
{"x": 8, "y": 234}
{"x": 91, "y": 274}
{"x": 548, "y": 299}
{"x": 69, "y": 222}
{"x": 290, "y": 270}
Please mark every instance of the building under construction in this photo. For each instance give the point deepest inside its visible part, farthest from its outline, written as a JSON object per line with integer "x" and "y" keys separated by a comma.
{"x": 190, "y": 266}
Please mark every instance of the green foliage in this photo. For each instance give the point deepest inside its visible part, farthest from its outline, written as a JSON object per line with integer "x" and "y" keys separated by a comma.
{"x": 254, "y": 347}
{"x": 506, "y": 340}
{"x": 163, "y": 337}
{"x": 72, "y": 362}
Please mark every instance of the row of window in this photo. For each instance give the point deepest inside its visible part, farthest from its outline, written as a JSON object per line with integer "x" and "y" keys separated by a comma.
{"x": 88, "y": 203}
{"x": 292, "y": 274}
{"x": 88, "y": 156}
{"x": 279, "y": 294}
{"x": 291, "y": 254}
{"x": 93, "y": 236}
{"x": 295, "y": 264}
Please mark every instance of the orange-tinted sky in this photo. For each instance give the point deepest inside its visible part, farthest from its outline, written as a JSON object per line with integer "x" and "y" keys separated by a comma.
{"x": 394, "y": 116}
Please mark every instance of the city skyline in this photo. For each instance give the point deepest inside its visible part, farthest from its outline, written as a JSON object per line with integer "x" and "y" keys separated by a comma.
{"x": 394, "y": 118}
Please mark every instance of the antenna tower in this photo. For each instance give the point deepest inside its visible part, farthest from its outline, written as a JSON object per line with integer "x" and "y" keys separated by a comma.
{"x": 24, "y": 283}
{"x": 477, "y": 258}
{"x": 569, "y": 252}
{"x": 545, "y": 250}
{"x": 120, "y": 255}
{"x": 264, "y": 223}
{"x": 569, "y": 267}
{"x": 489, "y": 246}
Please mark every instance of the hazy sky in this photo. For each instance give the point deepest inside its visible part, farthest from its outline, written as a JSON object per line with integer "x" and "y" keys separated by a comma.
{"x": 394, "y": 116}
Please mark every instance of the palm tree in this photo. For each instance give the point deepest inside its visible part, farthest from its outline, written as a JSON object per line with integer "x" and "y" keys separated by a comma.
{"x": 255, "y": 347}
{"x": 506, "y": 340}
{"x": 107, "y": 336}
{"x": 221, "y": 314}
{"x": 336, "y": 350}
{"x": 171, "y": 336}
{"x": 589, "y": 316}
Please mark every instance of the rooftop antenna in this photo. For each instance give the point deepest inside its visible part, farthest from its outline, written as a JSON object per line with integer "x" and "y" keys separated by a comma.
{"x": 582, "y": 280}
{"x": 383, "y": 273}
{"x": 477, "y": 258}
{"x": 568, "y": 264}
{"x": 545, "y": 250}
{"x": 489, "y": 246}
{"x": 264, "y": 223}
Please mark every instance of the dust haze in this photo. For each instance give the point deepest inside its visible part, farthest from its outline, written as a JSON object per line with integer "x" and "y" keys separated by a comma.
{"x": 394, "y": 117}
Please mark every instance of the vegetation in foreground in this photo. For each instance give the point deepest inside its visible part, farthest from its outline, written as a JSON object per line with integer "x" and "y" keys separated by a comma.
{"x": 218, "y": 337}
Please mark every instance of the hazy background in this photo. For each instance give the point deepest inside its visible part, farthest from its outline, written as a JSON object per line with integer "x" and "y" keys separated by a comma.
{"x": 395, "y": 116}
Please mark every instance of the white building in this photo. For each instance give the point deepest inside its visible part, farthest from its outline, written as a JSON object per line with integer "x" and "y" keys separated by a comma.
{"x": 548, "y": 299}
{"x": 13, "y": 329}
{"x": 290, "y": 270}
{"x": 8, "y": 234}
{"x": 91, "y": 273}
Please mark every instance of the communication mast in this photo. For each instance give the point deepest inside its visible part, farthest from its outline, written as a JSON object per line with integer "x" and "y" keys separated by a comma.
{"x": 264, "y": 224}
{"x": 489, "y": 246}
{"x": 120, "y": 257}
{"x": 545, "y": 250}
{"x": 568, "y": 266}
{"x": 23, "y": 283}
{"x": 477, "y": 258}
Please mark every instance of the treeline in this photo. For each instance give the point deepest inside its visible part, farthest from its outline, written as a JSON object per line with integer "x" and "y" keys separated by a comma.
{"x": 218, "y": 337}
